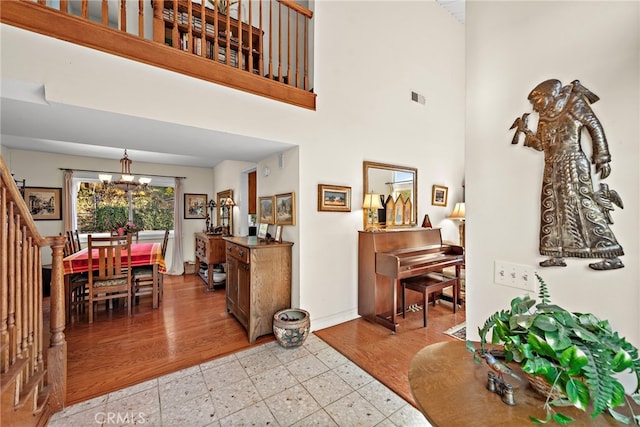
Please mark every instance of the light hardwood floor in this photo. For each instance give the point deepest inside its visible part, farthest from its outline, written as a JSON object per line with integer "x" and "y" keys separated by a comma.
{"x": 192, "y": 326}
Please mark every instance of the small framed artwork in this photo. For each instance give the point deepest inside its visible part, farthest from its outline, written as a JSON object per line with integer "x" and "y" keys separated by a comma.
{"x": 334, "y": 198}
{"x": 426, "y": 222}
{"x": 390, "y": 206}
{"x": 266, "y": 210}
{"x": 44, "y": 203}
{"x": 278, "y": 234}
{"x": 263, "y": 227}
{"x": 439, "y": 195}
{"x": 285, "y": 208}
{"x": 195, "y": 206}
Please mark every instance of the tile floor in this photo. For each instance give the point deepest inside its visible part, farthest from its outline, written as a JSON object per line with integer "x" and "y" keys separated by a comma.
{"x": 312, "y": 385}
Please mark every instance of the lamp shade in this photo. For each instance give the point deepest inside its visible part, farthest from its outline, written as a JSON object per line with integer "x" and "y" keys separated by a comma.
{"x": 458, "y": 212}
{"x": 371, "y": 201}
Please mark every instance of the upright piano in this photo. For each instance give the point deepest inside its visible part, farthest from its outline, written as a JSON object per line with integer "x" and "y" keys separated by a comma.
{"x": 385, "y": 258}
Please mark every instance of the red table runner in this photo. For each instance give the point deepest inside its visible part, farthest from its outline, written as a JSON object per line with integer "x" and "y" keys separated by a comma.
{"x": 141, "y": 254}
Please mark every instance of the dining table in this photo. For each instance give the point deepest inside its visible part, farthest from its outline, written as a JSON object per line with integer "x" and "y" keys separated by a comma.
{"x": 142, "y": 254}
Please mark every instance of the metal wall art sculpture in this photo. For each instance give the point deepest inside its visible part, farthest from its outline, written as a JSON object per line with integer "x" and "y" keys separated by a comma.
{"x": 575, "y": 217}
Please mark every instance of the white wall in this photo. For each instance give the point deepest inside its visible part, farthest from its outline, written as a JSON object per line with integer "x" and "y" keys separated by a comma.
{"x": 368, "y": 56}
{"x": 511, "y": 47}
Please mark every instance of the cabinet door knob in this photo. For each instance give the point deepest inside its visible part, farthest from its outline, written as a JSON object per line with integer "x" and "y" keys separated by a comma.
{"x": 241, "y": 253}
{"x": 246, "y": 267}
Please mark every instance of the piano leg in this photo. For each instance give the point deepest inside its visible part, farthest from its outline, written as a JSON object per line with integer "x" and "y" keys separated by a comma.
{"x": 382, "y": 319}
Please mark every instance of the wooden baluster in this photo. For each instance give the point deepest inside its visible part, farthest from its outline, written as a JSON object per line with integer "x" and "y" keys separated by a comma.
{"x": 28, "y": 243}
{"x": 306, "y": 55}
{"x": 279, "y": 43}
{"x": 24, "y": 285}
{"x": 289, "y": 45}
{"x": 158, "y": 22}
{"x": 229, "y": 34}
{"x": 105, "y": 13}
{"x": 85, "y": 9}
{"x": 4, "y": 283}
{"x": 64, "y": 6}
{"x": 297, "y": 84}
{"x": 216, "y": 33}
{"x": 18, "y": 286}
{"x": 191, "y": 45}
{"x": 250, "y": 64}
{"x": 260, "y": 63}
{"x": 123, "y": 16}
{"x": 177, "y": 43}
{"x": 240, "y": 34}
{"x": 141, "y": 19}
{"x": 39, "y": 337}
{"x": 11, "y": 271}
{"x": 270, "y": 40}
{"x": 203, "y": 28}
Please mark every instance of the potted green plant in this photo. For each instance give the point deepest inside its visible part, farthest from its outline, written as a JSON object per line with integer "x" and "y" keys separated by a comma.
{"x": 577, "y": 354}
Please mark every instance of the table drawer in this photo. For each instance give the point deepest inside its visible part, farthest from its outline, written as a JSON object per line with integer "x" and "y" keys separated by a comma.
{"x": 238, "y": 252}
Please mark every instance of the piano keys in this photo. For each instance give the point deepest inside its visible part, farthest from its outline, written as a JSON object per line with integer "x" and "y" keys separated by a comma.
{"x": 386, "y": 258}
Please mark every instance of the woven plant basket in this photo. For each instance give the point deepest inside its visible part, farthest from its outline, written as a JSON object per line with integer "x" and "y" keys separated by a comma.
{"x": 542, "y": 386}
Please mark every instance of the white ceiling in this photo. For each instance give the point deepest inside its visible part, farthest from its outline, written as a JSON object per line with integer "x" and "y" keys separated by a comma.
{"x": 28, "y": 122}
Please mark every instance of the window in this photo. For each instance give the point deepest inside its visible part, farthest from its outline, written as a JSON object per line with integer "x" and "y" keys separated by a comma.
{"x": 102, "y": 208}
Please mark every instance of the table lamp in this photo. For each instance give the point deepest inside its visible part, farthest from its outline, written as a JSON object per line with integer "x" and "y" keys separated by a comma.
{"x": 458, "y": 215}
{"x": 370, "y": 204}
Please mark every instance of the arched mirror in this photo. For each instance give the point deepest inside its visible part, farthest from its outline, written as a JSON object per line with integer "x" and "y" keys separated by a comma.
{"x": 225, "y": 211}
{"x": 398, "y": 188}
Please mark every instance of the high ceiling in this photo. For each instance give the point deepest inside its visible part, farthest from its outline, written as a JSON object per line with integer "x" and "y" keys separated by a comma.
{"x": 28, "y": 122}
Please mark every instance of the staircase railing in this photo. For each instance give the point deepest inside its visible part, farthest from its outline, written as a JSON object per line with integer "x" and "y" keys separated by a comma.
{"x": 33, "y": 362}
{"x": 264, "y": 47}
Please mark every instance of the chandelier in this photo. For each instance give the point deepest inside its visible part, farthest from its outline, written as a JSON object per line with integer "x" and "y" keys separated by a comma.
{"x": 127, "y": 180}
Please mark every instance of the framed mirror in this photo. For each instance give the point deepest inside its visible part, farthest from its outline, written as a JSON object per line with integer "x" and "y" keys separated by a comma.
{"x": 224, "y": 215}
{"x": 391, "y": 182}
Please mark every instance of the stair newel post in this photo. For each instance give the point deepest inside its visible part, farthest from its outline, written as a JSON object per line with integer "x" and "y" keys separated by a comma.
{"x": 57, "y": 352}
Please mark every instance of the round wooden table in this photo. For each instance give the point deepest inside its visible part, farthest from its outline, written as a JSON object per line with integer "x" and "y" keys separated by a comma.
{"x": 450, "y": 390}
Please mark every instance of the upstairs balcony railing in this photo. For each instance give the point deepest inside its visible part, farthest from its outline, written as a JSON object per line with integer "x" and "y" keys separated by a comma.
{"x": 262, "y": 47}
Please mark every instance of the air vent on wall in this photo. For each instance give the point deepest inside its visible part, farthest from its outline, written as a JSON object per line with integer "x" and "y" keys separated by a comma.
{"x": 416, "y": 97}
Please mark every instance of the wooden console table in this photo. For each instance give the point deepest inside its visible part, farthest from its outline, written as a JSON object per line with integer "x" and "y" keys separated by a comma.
{"x": 450, "y": 390}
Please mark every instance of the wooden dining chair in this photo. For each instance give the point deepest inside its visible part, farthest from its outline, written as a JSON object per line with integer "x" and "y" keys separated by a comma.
{"x": 76, "y": 294}
{"x": 109, "y": 270}
{"x": 143, "y": 276}
{"x": 134, "y": 235}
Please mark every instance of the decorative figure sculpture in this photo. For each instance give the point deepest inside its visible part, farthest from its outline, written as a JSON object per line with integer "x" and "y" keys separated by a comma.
{"x": 574, "y": 217}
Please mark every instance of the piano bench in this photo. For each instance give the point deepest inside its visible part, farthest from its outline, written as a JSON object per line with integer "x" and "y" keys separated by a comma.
{"x": 427, "y": 284}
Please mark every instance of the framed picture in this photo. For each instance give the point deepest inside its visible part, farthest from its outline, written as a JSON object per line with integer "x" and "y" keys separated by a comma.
{"x": 426, "y": 222}
{"x": 334, "y": 198}
{"x": 285, "y": 207}
{"x": 44, "y": 203}
{"x": 195, "y": 206}
{"x": 266, "y": 210}
{"x": 278, "y": 233}
{"x": 439, "y": 195}
{"x": 262, "y": 230}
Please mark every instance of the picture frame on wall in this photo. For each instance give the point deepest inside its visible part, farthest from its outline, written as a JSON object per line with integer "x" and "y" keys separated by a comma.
{"x": 263, "y": 227}
{"x": 195, "y": 206}
{"x": 285, "y": 209}
{"x": 439, "y": 194}
{"x": 266, "y": 214}
{"x": 334, "y": 198}
{"x": 44, "y": 203}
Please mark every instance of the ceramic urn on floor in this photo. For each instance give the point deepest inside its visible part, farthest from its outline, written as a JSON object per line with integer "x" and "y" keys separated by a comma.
{"x": 291, "y": 327}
